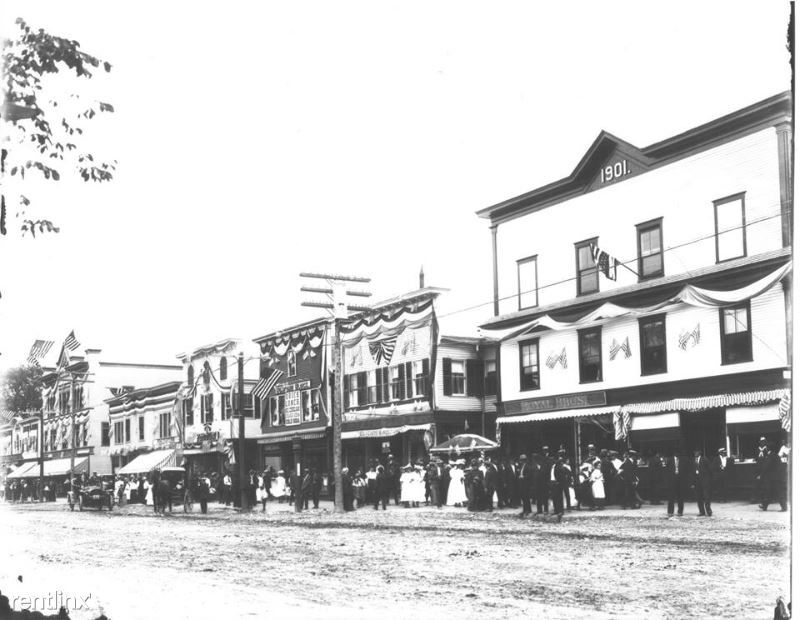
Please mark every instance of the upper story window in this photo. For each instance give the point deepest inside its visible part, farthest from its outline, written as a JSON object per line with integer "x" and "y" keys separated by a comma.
{"x": 590, "y": 349}
{"x": 141, "y": 428}
{"x": 528, "y": 282}
{"x": 490, "y": 377}
{"x": 207, "y": 408}
{"x": 729, "y": 221}
{"x": 587, "y": 274}
{"x": 119, "y": 431}
{"x": 529, "y": 365}
{"x": 651, "y": 249}
{"x": 105, "y": 440}
{"x": 164, "y": 425}
{"x": 735, "y": 334}
{"x": 291, "y": 363}
{"x": 353, "y": 390}
{"x": 188, "y": 411}
{"x": 653, "y": 345}
{"x": 223, "y": 368}
{"x": 190, "y": 376}
{"x": 419, "y": 371}
{"x": 458, "y": 377}
{"x": 127, "y": 430}
{"x": 397, "y": 375}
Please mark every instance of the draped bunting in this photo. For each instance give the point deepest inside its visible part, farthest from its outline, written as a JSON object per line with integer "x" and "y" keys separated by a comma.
{"x": 384, "y": 327}
{"x": 693, "y": 336}
{"x": 554, "y": 359}
{"x": 382, "y": 350}
{"x": 622, "y": 424}
{"x": 689, "y": 295}
{"x": 303, "y": 342}
{"x": 785, "y": 411}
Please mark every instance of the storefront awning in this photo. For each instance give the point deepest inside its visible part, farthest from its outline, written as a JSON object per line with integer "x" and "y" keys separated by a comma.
{"x": 559, "y": 415}
{"x": 746, "y": 415}
{"x": 659, "y": 420}
{"x": 708, "y": 402}
{"x": 149, "y": 461}
{"x": 385, "y": 432}
{"x": 20, "y": 471}
{"x": 289, "y": 436}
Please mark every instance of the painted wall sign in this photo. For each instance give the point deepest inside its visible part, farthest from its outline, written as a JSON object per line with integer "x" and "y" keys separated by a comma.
{"x": 552, "y": 403}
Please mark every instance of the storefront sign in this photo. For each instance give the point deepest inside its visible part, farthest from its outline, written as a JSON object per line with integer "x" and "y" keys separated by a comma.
{"x": 209, "y": 436}
{"x": 292, "y": 387}
{"x": 293, "y": 409}
{"x": 552, "y": 403}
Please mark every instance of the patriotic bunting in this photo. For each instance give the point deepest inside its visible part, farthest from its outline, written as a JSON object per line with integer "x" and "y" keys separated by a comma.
{"x": 39, "y": 349}
{"x": 553, "y": 359}
{"x": 605, "y": 263}
{"x": 785, "y": 411}
{"x": 382, "y": 350}
{"x": 624, "y": 346}
{"x": 686, "y": 337}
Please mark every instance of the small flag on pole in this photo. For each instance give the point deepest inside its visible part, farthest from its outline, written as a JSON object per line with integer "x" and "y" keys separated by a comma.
{"x": 264, "y": 386}
{"x": 39, "y": 349}
{"x": 71, "y": 342}
{"x": 605, "y": 263}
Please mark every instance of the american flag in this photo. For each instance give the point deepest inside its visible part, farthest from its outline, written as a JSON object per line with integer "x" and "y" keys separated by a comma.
{"x": 39, "y": 349}
{"x": 264, "y": 386}
{"x": 71, "y": 342}
{"x": 605, "y": 263}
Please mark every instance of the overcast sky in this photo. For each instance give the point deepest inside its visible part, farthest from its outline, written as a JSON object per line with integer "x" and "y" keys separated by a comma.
{"x": 256, "y": 140}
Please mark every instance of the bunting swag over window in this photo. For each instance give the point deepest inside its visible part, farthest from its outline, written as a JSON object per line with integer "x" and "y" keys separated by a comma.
{"x": 382, "y": 350}
{"x": 689, "y": 295}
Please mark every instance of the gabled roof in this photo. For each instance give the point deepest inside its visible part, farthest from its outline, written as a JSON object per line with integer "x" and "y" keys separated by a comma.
{"x": 584, "y": 177}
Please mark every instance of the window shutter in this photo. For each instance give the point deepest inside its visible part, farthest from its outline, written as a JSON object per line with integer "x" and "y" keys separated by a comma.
{"x": 387, "y": 394}
{"x": 378, "y": 386}
{"x": 447, "y": 376}
{"x": 409, "y": 380}
{"x": 475, "y": 378}
{"x": 362, "y": 388}
{"x": 401, "y": 383}
{"x": 426, "y": 369}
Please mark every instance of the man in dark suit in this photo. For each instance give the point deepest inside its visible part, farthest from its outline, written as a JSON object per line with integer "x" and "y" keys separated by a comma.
{"x": 473, "y": 481}
{"x": 382, "y": 487}
{"x": 434, "y": 482}
{"x": 772, "y": 476}
{"x": 609, "y": 477}
{"x": 629, "y": 475}
{"x": 677, "y": 474}
{"x": 541, "y": 483}
{"x": 316, "y": 486}
{"x": 489, "y": 484}
{"x": 560, "y": 476}
{"x": 525, "y": 484}
{"x": 393, "y": 475}
{"x": 721, "y": 474}
{"x": 347, "y": 489}
{"x": 702, "y": 483}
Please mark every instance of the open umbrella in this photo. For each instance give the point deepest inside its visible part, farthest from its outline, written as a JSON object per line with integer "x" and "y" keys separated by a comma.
{"x": 464, "y": 443}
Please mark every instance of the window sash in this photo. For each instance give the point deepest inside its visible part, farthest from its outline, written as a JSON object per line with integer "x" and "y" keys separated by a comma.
{"x": 528, "y": 282}
{"x": 590, "y": 356}
{"x": 653, "y": 344}
{"x": 729, "y": 219}
{"x": 458, "y": 373}
{"x": 651, "y": 253}
{"x": 291, "y": 363}
{"x": 736, "y": 335}
{"x": 529, "y": 366}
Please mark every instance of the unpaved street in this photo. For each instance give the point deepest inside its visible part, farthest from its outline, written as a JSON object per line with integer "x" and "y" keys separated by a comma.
{"x": 417, "y": 563}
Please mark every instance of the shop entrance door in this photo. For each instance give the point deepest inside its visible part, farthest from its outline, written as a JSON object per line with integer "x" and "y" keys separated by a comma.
{"x": 703, "y": 430}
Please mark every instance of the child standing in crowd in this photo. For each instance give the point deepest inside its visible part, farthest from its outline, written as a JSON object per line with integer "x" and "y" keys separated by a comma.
{"x": 598, "y": 486}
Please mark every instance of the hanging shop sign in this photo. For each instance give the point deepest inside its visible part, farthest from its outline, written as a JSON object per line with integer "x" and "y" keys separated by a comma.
{"x": 550, "y": 403}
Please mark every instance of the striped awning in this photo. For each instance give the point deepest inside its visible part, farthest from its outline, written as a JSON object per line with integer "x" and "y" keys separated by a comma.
{"x": 707, "y": 402}
{"x": 558, "y": 415}
{"x": 52, "y": 467}
{"x": 20, "y": 471}
{"x": 149, "y": 461}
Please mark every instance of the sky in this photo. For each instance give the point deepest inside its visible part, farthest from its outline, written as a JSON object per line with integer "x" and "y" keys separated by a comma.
{"x": 256, "y": 140}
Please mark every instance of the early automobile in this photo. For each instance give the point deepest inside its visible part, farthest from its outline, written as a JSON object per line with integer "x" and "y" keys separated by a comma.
{"x": 91, "y": 497}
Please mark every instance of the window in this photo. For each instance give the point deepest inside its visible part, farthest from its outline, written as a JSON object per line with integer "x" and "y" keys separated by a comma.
{"x": 164, "y": 429}
{"x": 141, "y": 428}
{"x": 529, "y": 365}
{"x": 248, "y": 406}
{"x": 188, "y": 411}
{"x": 190, "y": 376}
{"x": 103, "y": 436}
{"x": 273, "y": 410}
{"x": 528, "y": 282}
{"x": 207, "y": 408}
{"x": 651, "y": 251}
{"x": 490, "y": 378}
{"x": 127, "y": 430}
{"x": 291, "y": 363}
{"x": 119, "y": 431}
{"x": 225, "y": 406}
{"x": 352, "y": 381}
{"x": 420, "y": 370}
{"x": 591, "y": 358}
{"x": 459, "y": 377}
{"x": 736, "y": 335}
{"x": 223, "y": 368}
{"x": 77, "y": 398}
{"x": 653, "y": 345}
{"x": 729, "y": 221}
{"x": 382, "y": 385}
{"x": 372, "y": 390}
{"x": 587, "y": 274}
{"x": 398, "y": 380}
{"x": 305, "y": 403}
{"x": 315, "y": 404}
{"x": 105, "y": 440}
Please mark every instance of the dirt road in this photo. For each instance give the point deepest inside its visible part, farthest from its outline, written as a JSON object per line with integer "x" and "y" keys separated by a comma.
{"x": 417, "y": 563}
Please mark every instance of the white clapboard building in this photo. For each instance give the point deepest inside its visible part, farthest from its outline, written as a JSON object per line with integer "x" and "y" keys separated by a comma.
{"x": 643, "y": 300}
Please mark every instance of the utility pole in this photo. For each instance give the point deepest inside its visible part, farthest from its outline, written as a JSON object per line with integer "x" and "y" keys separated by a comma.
{"x": 72, "y": 430}
{"x": 240, "y": 413}
{"x": 336, "y": 292}
{"x": 41, "y": 452}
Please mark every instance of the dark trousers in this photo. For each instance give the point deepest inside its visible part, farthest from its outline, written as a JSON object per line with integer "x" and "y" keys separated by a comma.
{"x": 629, "y": 495}
{"x": 565, "y": 493}
{"x": 436, "y": 498}
{"x": 381, "y": 497}
{"x": 315, "y": 497}
{"x": 675, "y": 495}
{"x": 526, "y": 502}
{"x": 703, "y": 495}
{"x": 774, "y": 491}
{"x": 488, "y": 498}
{"x": 203, "y": 505}
{"x": 541, "y": 500}
{"x": 557, "y": 494}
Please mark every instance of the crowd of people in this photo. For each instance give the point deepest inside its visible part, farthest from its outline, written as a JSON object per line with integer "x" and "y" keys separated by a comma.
{"x": 544, "y": 482}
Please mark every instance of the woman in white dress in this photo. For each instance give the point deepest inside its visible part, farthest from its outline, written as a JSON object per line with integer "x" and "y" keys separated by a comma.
{"x": 407, "y": 486}
{"x": 277, "y": 487}
{"x": 419, "y": 485}
{"x": 456, "y": 494}
{"x": 148, "y": 493}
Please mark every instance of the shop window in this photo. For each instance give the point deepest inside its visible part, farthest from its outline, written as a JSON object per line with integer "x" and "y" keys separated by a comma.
{"x": 528, "y": 282}
{"x": 490, "y": 377}
{"x": 651, "y": 250}
{"x": 420, "y": 370}
{"x": 591, "y": 355}
{"x": 529, "y": 365}
{"x": 141, "y": 428}
{"x": 291, "y": 363}
{"x": 164, "y": 429}
{"x": 105, "y": 440}
{"x": 729, "y": 222}
{"x": 223, "y": 368}
{"x": 736, "y": 334}
{"x": 305, "y": 403}
{"x": 587, "y": 273}
{"x": 653, "y": 345}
